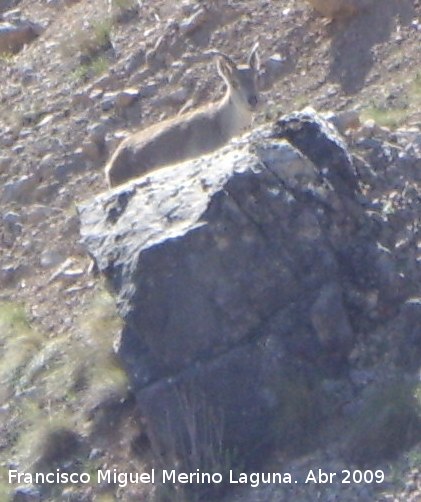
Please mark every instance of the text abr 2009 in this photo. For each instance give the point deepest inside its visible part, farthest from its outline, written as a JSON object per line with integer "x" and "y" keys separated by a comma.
{"x": 358, "y": 476}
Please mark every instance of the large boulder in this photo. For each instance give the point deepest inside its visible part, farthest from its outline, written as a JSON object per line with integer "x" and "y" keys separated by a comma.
{"x": 230, "y": 270}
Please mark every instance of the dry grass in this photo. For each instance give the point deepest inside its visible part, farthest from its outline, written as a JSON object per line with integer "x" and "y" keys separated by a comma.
{"x": 94, "y": 68}
{"x": 395, "y": 116}
{"x": 386, "y": 117}
{"x": 52, "y": 380}
{"x": 47, "y": 430}
{"x": 88, "y": 42}
{"x": 18, "y": 342}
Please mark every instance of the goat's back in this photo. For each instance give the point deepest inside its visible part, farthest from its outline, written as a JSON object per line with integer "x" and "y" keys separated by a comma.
{"x": 166, "y": 143}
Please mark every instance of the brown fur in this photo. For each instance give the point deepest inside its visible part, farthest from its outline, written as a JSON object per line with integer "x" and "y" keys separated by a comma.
{"x": 191, "y": 134}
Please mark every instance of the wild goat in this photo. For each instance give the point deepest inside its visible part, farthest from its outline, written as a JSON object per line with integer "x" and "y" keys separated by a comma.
{"x": 191, "y": 134}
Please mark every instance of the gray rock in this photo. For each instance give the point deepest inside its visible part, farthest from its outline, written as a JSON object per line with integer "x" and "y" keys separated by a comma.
{"x": 19, "y": 190}
{"x": 226, "y": 270}
{"x": 92, "y": 151}
{"x": 82, "y": 100}
{"x": 7, "y": 140}
{"x": 274, "y": 68}
{"x": 37, "y": 213}
{"x": 288, "y": 163}
{"x": 149, "y": 90}
{"x": 46, "y": 166}
{"x": 169, "y": 46}
{"x": 328, "y": 152}
{"x": 134, "y": 61}
{"x": 18, "y": 149}
{"x": 51, "y": 257}
{"x": 27, "y": 75}
{"x": 13, "y": 222}
{"x": 97, "y": 132}
{"x": 108, "y": 101}
{"x": 194, "y": 22}
{"x": 126, "y": 98}
{"x": 5, "y": 163}
{"x": 8, "y": 4}
{"x": 14, "y": 36}
{"x": 74, "y": 162}
{"x": 26, "y": 494}
{"x": 175, "y": 98}
{"x": 9, "y": 275}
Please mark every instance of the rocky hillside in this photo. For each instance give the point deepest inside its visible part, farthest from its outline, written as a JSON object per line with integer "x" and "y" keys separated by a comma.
{"x": 77, "y": 77}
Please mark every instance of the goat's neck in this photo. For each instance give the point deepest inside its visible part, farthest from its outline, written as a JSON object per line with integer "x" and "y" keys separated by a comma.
{"x": 234, "y": 117}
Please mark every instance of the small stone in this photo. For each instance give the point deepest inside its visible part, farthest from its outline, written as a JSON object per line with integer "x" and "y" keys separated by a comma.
{"x": 275, "y": 63}
{"x": 96, "y": 93}
{"x": 26, "y": 494}
{"x": 41, "y": 148}
{"x": 19, "y": 190}
{"x": 74, "y": 162}
{"x": 5, "y": 163}
{"x": 38, "y": 213}
{"x": 18, "y": 149}
{"x": 197, "y": 20}
{"x": 7, "y": 140}
{"x": 64, "y": 272}
{"x": 28, "y": 76}
{"x": 8, "y": 275}
{"x": 97, "y": 132}
{"x": 45, "y": 167}
{"x": 126, "y": 97}
{"x": 13, "y": 223}
{"x": 274, "y": 67}
{"x": 134, "y": 61}
{"x": 91, "y": 150}
{"x": 14, "y": 36}
{"x": 106, "y": 81}
{"x": 108, "y": 101}
{"x": 148, "y": 90}
{"x": 71, "y": 227}
{"x": 50, "y": 258}
{"x": 82, "y": 100}
{"x": 24, "y": 133}
{"x": 46, "y": 120}
{"x": 411, "y": 485}
{"x": 368, "y": 129}
{"x": 176, "y": 98}
{"x": 71, "y": 494}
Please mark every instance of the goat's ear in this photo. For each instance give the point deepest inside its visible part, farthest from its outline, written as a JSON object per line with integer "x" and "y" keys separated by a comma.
{"x": 254, "y": 60}
{"x": 225, "y": 67}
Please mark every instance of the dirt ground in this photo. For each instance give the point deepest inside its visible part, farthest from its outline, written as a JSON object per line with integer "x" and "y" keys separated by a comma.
{"x": 58, "y": 88}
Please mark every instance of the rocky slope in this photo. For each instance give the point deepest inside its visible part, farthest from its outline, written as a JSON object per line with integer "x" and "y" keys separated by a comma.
{"x": 67, "y": 97}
